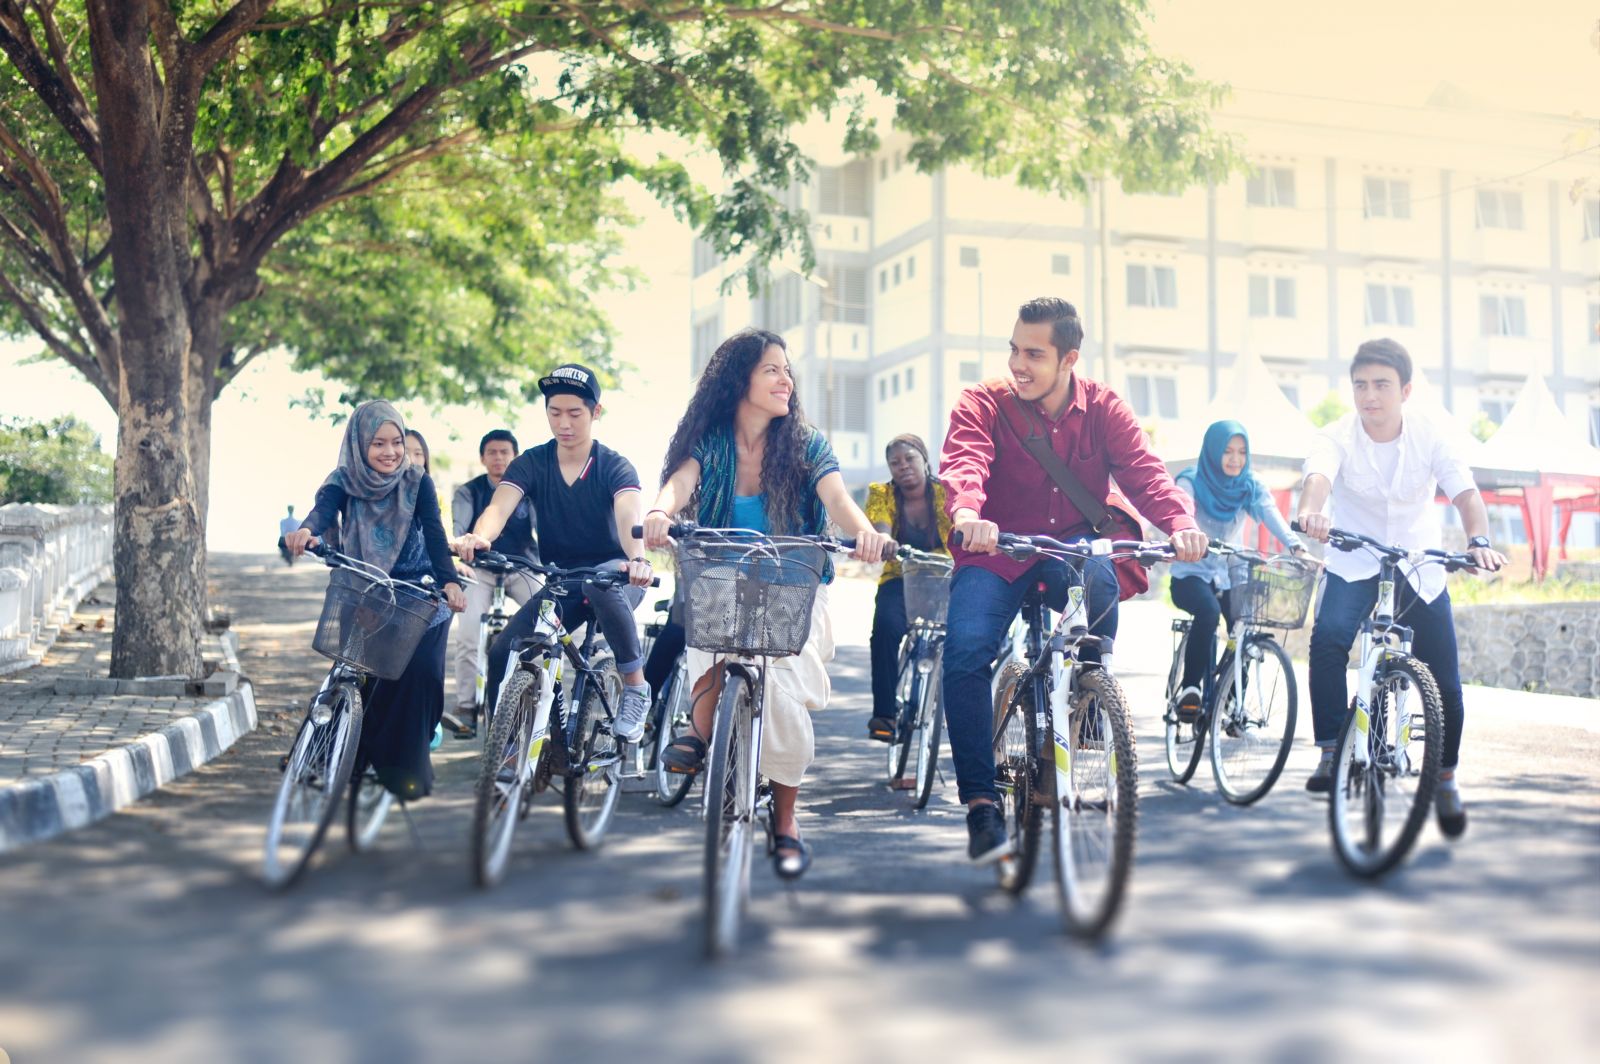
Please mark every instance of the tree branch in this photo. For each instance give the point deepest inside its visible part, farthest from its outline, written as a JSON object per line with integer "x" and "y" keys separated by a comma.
{"x": 16, "y": 41}
{"x": 81, "y": 361}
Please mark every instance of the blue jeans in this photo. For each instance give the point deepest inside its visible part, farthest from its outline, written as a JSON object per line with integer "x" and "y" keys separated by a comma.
{"x": 982, "y": 605}
{"x": 1345, "y": 604}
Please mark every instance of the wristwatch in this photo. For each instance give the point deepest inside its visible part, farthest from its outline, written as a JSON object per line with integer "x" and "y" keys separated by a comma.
{"x": 1479, "y": 543}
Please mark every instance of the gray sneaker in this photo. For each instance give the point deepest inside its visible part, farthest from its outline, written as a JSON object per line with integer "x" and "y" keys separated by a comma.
{"x": 1321, "y": 781}
{"x": 1451, "y": 812}
{"x": 635, "y": 707}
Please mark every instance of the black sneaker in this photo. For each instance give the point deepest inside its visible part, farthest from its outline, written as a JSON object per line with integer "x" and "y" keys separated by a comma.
{"x": 881, "y": 729}
{"x": 986, "y": 834}
{"x": 1451, "y": 812}
{"x": 1321, "y": 781}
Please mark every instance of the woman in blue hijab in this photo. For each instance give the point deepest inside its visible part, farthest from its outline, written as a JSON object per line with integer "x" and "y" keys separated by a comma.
{"x": 1225, "y": 492}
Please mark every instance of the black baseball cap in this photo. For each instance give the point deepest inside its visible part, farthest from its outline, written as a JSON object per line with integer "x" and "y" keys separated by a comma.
{"x": 571, "y": 379}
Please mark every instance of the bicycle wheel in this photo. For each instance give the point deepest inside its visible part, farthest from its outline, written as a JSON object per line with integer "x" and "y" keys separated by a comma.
{"x": 503, "y": 773}
{"x": 673, "y": 712}
{"x": 1015, "y": 744}
{"x": 930, "y": 722}
{"x": 1185, "y": 741}
{"x": 370, "y": 802}
{"x": 730, "y": 815}
{"x": 594, "y": 783}
{"x": 1252, "y": 730}
{"x": 314, "y": 781}
{"x": 1096, "y": 816}
{"x": 905, "y": 699}
{"x": 1387, "y": 767}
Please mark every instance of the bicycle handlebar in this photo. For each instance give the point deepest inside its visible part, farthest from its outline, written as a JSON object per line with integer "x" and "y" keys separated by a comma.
{"x": 336, "y": 560}
{"x": 689, "y": 530}
{"x": 1342, "y": 540}
{"x": 496, "y": 562}
{"x": 1145, "y": 553}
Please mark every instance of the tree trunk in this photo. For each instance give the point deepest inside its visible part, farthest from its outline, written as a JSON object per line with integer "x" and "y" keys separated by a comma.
{"x": 158, "y": 550}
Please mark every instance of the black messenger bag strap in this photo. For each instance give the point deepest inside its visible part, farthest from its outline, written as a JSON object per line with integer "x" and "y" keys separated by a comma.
{"x": 1038, "y": 445}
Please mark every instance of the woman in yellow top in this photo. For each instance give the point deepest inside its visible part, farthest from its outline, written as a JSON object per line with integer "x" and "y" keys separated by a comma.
{"x": 910, "y": 508}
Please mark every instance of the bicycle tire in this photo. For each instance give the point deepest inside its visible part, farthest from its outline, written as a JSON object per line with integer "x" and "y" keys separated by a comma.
{"x": 594, "y": 784}
{"x": 1097, "y": 813}
{"x": 1358, "y": 807}
{"x": 905, "y": 696}
{"x": 1251, "y": 735}
{"x": 730, "y": 816}
{"x": 672, "y": 712}
{"x": 498, "y": 798}
{"x": 313, "y": 787}
{"x": 369, "y": 805}
{"x": 930, "y": 724}
{"x": 1015, "y": 745}
{"x": 1185, "y": 741}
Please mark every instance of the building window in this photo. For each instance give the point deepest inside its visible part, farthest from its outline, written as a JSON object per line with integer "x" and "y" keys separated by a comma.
{"x": 1503, "y": 315}
{"x": 1390, "y": 304}
{"x": 894, "y": 384}
{"x": 1495, "y": 408}
{"x": 971, "y": 372}
{"x": 969, "y": 257}
{"x": 850, "y": 391}
{"x": 1270, "y": 186}
{"x": 843, "y": 189}
{"x": 897, "y": 275}
{"x": 1272, "y": 297}
{"x": 1153, "y": 396}
{"x": 883, "y": 389}
{"x": 911, "y": 267}
{"x": 1386, "y": 198}
{"x": 705, "y": 257}
{"x": 911, "y": 377}
{"x": 883, "y": 280}
{"x": 845, "y": 298}
{"x": 707, "y": 335}
{"x": 781, "y": 304}
{"x": 1591, "y": 219}
{"x": 1060, "y": 264}
{"x": 1499, "y": 208}
{"x": 1152, "y": 286}
{"x": 1594, "y": 323}
{"x": 883, "y": 169}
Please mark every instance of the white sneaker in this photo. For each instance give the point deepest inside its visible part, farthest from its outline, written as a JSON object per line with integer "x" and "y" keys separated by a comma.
{"x": 629, "y": 726}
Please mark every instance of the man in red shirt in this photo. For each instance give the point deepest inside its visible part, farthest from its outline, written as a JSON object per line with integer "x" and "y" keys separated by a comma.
{"x": 993, "y": 484}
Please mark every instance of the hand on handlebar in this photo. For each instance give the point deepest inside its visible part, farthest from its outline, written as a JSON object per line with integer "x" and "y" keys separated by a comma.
{"x": 972, "y": 533}
{"x": 1190, "y": 544}
{"x": 1487, "y": 559}
{"x": 455, "y": 598}
{"x": 873, "y": 546}
{"x": 1315, "y": 525}
{"x": 469, "y": 544}
{"x": 297, "y": 541}
{"x": 639, "y": 571}
{"x": 657, "y": 525}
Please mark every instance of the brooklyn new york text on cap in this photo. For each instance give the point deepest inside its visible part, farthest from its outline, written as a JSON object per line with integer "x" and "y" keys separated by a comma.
{"x": 572, "y": 378}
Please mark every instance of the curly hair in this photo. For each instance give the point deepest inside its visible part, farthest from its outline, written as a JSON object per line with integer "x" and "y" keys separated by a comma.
{"x": 784, "y": 476}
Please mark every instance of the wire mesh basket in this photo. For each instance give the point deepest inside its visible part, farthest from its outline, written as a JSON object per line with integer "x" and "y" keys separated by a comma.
{"x": 371, "y": 625}
{"x": 750, "y": 597}
{"x": 1271, "y": 592}
{"x": 927, "y": 588}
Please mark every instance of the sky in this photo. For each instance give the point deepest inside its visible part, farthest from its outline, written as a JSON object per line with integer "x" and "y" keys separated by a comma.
{"x": 267, "y": 455}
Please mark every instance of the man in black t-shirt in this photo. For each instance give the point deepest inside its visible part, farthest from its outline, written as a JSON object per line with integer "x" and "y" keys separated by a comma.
{"x": 496, "y": 450}
{"x": 586, "y": 502}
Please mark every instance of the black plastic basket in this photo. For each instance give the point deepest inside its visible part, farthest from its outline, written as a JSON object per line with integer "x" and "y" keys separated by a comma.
{"x": 750, "y": 597}
{"x": 927, "y": 588}
{"x": 371, "y": 625}
{"x": 1271, "y": 592}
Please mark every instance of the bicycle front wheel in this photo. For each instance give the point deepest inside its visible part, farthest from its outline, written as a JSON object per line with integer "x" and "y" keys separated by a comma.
{"x": 1096, "y": 811}
{"x": 906, "y": 694}
{"x": 1252, "y": 728}
{"x": 594, "y": 782}
{"x": 1387, "y": 768}
{"x": 314, "y": 781}
{"x": 504, "y": 770}
{"x": 730, "y": 815}
{"x": 930, "y": 722}
{"x": 1185, "y": 740}
{"x": 1016, "y": 742}
{"x": 673, "y": 721}
{"x": 370, "y": 802}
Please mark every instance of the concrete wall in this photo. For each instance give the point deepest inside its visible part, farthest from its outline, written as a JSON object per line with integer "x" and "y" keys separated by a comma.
{"x": 50, "y": 557}
{"x": 1552, "y": 647}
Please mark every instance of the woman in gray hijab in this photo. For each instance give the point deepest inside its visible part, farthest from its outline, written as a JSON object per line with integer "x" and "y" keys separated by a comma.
{"x": 383, "y": 510}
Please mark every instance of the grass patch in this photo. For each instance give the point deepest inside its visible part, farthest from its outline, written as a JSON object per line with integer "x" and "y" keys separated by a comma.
{"x": 1466, "y": 591}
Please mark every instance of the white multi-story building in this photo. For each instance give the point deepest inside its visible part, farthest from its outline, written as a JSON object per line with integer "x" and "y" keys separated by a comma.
{"x": 1472, "y": 236}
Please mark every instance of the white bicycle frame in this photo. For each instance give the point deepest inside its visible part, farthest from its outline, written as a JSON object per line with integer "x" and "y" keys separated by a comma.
{"x": 1373, "y": 653}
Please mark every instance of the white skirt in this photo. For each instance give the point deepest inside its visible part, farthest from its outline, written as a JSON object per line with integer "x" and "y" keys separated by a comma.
{"x": 796, "y": 687}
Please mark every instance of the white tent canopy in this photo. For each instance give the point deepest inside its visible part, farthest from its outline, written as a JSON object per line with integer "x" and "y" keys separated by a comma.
{"x": 1538, "y": 436}
{"x": 1424, "y": 401}
{"x": 1278, "y": 430}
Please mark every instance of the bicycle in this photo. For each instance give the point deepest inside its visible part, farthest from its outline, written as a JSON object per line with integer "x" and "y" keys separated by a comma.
{"x": 490, "y": 625}
{"x": 519, "y": 761}
{"x": 668, "y": 719}
{"x": 920, "y": 711}
{"x": 370, "y": 626}
{"x": 1378, "y": 766}
{"x": 1249, "y": 702}
{"x": 748, "y": 599}
{"x": 1062, "y": 739}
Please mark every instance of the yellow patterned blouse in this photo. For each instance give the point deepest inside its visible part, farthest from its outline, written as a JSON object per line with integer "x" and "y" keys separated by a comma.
{"x": 880, "y": 511}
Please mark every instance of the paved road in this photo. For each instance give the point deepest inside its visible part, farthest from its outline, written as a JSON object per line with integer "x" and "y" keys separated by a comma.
{"x": 147, "y": 937}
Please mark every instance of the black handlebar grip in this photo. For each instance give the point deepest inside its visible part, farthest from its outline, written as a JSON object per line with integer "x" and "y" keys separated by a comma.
{"x": 1294, "y": 526}
{"x": 956, "y": 537}
{"x": 637, "y": 531}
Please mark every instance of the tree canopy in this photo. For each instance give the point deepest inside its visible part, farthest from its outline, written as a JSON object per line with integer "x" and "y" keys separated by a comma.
{"x": 57, "y": 461}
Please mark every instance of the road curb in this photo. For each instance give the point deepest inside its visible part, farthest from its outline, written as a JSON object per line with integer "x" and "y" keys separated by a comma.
{"x": 46, "y": 806}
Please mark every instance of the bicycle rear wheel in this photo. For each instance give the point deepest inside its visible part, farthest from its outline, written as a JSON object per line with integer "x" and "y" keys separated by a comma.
{"x": 589, "y": 798}
{"x": 930, "y": 722}
{"x": 1387, "y": 768}
{"x": 905, "y": 700}
{"x": 673, "y": 721}
{"x": 1096, "y": 813}
{"x": 314, "y": 781}
{"x": 504, "y": 770}
{"x": 730, "y": 814}
{"x": 370, "y": 802}
{"x": 1016, "y": 742}
{"x": 1185, "y": 741}
{"x": 1252, "y": 730}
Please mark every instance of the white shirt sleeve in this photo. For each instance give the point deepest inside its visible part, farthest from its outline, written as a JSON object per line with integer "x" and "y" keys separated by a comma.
{"x": 1325, "y": 458}
{"x": 1452, "y": 473}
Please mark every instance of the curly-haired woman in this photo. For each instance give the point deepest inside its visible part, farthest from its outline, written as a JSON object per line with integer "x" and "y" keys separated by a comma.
{"x": 744, "y": 456}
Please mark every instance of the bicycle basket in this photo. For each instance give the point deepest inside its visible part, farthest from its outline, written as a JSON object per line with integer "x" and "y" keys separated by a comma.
{"x": 927, "y": 588}
{"x": 1271, "y": 592}
{"x": 370, "y": 625}
{"x": 749, "y": 597}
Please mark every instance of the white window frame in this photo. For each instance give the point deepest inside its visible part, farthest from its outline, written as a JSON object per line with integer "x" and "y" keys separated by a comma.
{"x": 1385, "y": 297}
{"x": 1510, "y": 311}
{"x": 1157, "y": 287}
{"x": 1273, "y": 296}
{"x": 1500, "y": 208}
{"x": 1379, "y": 199}
{"x": 1270, "y": 186}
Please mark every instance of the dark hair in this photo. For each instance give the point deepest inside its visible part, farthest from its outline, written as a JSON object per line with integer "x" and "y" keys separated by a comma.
{"x": 1066, "y": 331}
{"x": 590, "y": 403}
{"x": 785, "y": 478}
{"x": 498, "y": 436}
{"x": 1384, "y": 352}
{"x": 913, "y": 441}
{"x": 427, "y": 454}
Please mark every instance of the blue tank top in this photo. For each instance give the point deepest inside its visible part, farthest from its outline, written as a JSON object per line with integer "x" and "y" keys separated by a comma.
{"x": 750, "y": 511}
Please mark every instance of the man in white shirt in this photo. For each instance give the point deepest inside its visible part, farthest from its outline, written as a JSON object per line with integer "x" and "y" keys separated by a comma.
{"x": 1381, "y": 469}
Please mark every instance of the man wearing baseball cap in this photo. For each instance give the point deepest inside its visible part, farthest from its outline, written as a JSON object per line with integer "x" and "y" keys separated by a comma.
{"x": 586, "y": 502}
